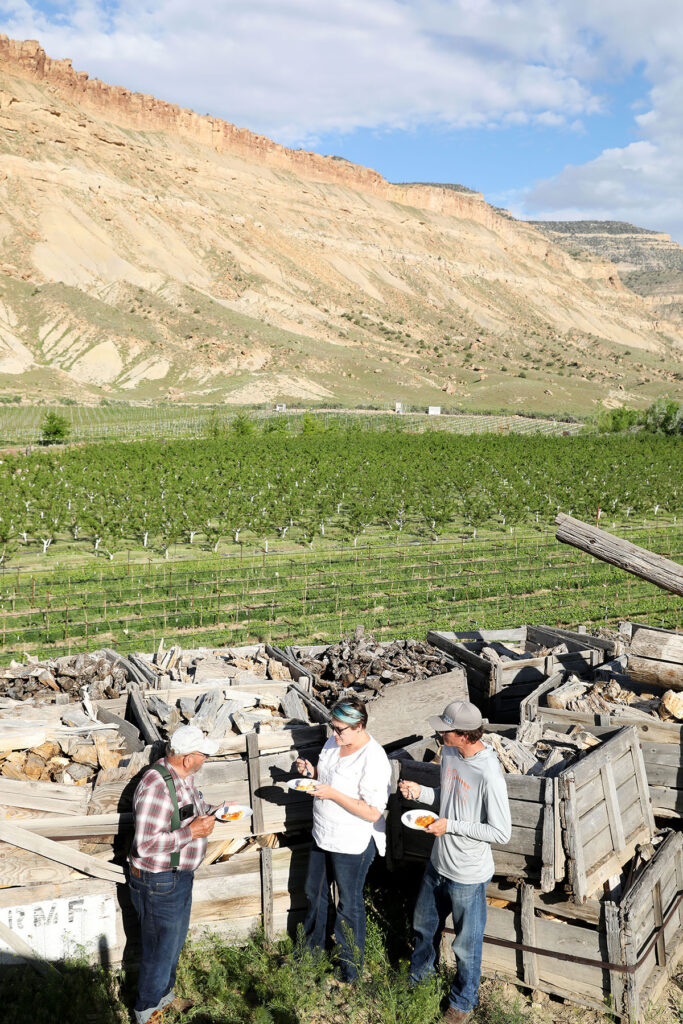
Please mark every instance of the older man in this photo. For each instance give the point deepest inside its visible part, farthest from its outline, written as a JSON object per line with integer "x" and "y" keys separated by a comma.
{"x": 474, "y": 812}
{"x": 172, "y": 822}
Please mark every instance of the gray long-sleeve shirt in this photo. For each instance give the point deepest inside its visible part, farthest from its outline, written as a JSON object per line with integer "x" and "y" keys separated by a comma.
{"x": 473, "y": 797}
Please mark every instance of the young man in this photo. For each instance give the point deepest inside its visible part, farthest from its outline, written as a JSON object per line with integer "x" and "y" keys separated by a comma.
{"x": 474, "y": 812}
{"x": 172, "y": 822}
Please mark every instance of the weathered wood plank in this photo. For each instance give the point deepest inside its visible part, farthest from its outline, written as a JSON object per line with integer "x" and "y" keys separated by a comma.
{"x": 84, "y": 862}
{"x": 528, "y": 921}
{"x": 638, "y": 561}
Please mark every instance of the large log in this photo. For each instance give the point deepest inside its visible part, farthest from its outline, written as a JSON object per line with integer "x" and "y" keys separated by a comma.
{"x": 660, "y": 644}
{"x": 649, "y": 672}
{"x": 639, "y": 561}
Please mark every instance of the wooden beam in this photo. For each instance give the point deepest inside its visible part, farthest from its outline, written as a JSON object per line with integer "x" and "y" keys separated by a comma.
{"x": 84, "y": 862}
{"x": 638, "y": 561}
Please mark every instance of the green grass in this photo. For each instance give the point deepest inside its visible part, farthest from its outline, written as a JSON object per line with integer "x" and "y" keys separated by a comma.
{"x": 258, "y": 982}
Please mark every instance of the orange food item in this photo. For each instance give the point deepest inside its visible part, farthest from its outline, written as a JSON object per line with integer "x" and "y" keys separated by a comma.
{"x": 424, "y": 820}
{"x": 231, "y": 816}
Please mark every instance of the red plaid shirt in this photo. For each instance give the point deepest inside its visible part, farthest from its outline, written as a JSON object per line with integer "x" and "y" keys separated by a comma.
{"x": 153, "y": 842}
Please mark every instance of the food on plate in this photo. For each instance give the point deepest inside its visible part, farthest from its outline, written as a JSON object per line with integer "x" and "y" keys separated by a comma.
{"x": 229, "y": 815}
{"x": 424, "y": 820}
{"x": 306, "y": 786}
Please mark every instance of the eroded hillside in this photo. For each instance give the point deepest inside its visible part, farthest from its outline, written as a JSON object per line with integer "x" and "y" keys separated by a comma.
{"x": 647, "y": 261}
{"x": 147, "y": 251}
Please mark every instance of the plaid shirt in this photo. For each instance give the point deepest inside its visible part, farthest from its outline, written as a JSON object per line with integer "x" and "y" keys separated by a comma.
{"x": 153, "y": 842}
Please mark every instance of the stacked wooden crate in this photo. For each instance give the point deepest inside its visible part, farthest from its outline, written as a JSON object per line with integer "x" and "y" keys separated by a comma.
{"x": 562, "y": 883}
{"x": 504, "y": 666}
{"x": 63, "y": 847}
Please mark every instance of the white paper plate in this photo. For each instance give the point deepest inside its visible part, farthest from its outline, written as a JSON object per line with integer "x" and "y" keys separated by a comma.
{"x": 244, "y": 812}
{"x": 298, "y": 785}
{"x": 408, "y": 818}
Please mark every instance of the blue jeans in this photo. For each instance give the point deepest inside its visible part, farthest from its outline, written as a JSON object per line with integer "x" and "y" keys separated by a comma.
{"x": 162, "y": 901}
{"x": 349, "y": 871}
{"x": 437, "y": 897}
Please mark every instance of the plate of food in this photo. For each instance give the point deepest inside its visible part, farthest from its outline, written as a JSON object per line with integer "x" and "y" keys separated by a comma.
{"x": 233, "y": 812}
{"x": 303, "y": 785}
{"x": 419, "y": 820}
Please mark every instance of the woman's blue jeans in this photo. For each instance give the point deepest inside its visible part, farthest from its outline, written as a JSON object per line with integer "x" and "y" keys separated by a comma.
{"x": 162, "y": 900}
{"x": 439, "y": 896}
{"x": 349, "y": 871}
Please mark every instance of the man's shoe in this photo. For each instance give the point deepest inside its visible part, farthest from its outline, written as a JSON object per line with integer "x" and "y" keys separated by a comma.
{"x": 455, "y": 1016}
{"x": 157, "y": 1017}
{"x": 181, "y": 1005}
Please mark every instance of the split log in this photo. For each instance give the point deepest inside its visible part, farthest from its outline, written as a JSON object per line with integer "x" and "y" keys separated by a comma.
{"x": 673, "y": 702}
{"x": 571, "y": 690}
{"x": 664, "y": 646}
{"x": 638, "y": 561}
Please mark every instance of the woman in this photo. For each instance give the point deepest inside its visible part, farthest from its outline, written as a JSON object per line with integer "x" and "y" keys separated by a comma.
{"x": 348, "y": 825}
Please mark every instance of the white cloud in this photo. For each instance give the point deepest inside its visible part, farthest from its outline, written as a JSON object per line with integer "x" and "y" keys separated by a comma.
{"x": 298, "y": 69}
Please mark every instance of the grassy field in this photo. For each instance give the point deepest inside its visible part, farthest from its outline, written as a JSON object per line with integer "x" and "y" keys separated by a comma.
{"x": 495, "y": 579}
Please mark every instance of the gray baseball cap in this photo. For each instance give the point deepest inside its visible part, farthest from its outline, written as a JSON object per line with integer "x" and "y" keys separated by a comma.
{"x": 458, "y": 716}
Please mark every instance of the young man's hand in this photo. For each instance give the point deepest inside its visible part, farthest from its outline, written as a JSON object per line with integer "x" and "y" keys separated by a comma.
{"x": 438, "y": 827}
{"x": 410, "y": 790}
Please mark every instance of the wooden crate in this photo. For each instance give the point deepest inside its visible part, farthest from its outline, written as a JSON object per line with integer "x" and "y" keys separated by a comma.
{"x": 259, "y": 887}
{"x": 400, "y": 713}
{"x": 606, "y": 811}
{"x": 498, "y": 689}
{"x": 623, "y": 952}
{"x": 661, "y": 744}
{"x": 70, "y": 814}
{"x": 583, "y": 825}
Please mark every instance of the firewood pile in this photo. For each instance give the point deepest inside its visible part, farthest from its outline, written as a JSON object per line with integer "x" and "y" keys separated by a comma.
{"x": 60, "y": 680}
{"x": 500, "y": 654}
{"x": 221, "y": 712}
{"x": 175, "y": 667}
{"x": 608, "y": 696}
{"x": 105, "y": 674}
{"x": 69, "y": 759}
{"x": 361, "y": 665}
{"x": 543, "y": 752}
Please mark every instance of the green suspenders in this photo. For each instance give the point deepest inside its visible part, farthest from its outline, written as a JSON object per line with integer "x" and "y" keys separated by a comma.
{"x": 175, "y": 817}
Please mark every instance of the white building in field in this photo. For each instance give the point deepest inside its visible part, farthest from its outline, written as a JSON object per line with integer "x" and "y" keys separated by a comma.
{"x": 434, "y": 410}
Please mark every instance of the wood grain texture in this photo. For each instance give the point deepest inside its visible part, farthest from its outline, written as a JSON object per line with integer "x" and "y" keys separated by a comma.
{"x": 638, "y": 561}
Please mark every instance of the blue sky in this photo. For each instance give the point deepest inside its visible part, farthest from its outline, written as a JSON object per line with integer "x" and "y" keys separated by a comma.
{"x": 558, "y": 109}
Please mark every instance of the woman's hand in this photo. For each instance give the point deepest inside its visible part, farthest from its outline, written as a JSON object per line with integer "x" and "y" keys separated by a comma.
{"x": 325, "y": 792}
{"x": 305, "y": 767}
{"x": 410, "y": 790}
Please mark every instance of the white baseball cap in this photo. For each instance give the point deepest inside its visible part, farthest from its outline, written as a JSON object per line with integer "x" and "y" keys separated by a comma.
{"x": 189, "y": 739}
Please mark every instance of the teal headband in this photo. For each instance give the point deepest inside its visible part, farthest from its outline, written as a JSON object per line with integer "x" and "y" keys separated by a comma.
{"x": 346, "y": 713}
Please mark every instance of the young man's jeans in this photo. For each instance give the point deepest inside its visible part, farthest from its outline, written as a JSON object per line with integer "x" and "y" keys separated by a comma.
{"x": 439, "y": 896}
{"x": 348, "y": 870}
{"x": 162, "y": 900}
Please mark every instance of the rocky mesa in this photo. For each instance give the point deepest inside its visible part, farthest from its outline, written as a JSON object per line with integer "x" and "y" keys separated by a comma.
{"x": 147, "y": 251}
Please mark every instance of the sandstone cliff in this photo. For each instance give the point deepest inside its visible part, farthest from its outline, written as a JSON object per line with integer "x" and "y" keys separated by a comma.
{"x": 148, "y": 251}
